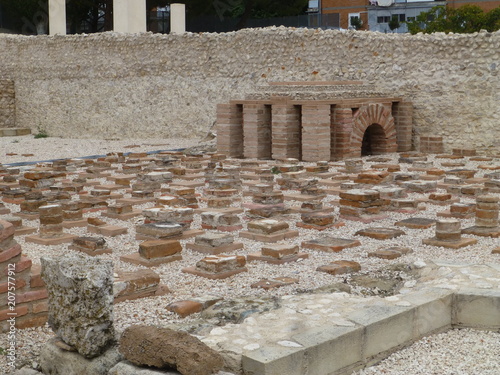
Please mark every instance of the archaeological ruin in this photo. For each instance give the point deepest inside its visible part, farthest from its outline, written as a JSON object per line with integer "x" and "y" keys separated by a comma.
{"x": 347, "y": 207}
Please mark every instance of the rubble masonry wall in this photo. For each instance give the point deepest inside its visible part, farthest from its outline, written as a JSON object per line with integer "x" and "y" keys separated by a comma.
{"x": 151, "y": 85}
{"x": 7, "y": 103}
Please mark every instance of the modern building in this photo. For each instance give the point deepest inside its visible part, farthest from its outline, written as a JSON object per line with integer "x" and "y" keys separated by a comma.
{"x": 376, "y": 15}
{"x": 380, "y": 13}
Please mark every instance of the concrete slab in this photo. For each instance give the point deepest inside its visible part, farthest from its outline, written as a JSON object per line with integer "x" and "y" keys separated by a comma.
{"x": 477, "y": 308}
{"x": 387, "y": 328}
{"x": 330, "y": 349}
{"x": 274, "y": 360}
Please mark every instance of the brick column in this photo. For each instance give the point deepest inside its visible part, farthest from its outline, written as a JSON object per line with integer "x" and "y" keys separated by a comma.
{"x": 342, "y": 127}
{"x": 403, "y": 122}
{"x": 257, "y": 131}
{"x": 316, "y": 128}
{"x": 230, "y": 130}
{"x": 22, "y": 280}
{"x": 286, "y": 132}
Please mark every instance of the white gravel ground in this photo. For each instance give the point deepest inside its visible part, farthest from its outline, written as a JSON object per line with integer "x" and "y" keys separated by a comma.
{"x": 57, "y": 148}
{"x": 184, "y": 286}
{"x": 456, "y": 352}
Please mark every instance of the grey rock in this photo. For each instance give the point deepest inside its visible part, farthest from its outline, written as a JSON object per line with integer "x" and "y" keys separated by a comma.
{"x": 237, "y": 310}
{"x": 164, "y": 348}
{"x": 56, "y": 361}
{"x": 80, "y": 292}
{"x": 127, "y": 368}
{"x": 26, "y": 371}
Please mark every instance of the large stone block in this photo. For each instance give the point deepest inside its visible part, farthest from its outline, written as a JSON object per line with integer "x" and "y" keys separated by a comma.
{"x": 166, "y": 348}
{"x": 80, "y": 292}
{"x": 57, "y": 361}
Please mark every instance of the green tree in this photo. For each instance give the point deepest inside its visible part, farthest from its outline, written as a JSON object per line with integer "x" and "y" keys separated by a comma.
{"x": 492, "y": 20}
{"x": 394, "y": 23}
{"x": 356, "y": 23}
{"x": 466, "y": 19}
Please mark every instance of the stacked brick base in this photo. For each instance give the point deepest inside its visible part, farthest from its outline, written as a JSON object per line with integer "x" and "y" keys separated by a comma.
{"x": 23, "y": 295}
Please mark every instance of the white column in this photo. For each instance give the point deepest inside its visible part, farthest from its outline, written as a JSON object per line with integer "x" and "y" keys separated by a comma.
{"x": 136, "y": 16}
{"x": 57, "y": 17}
{"x": 178, "y": 18}
{"x": 129, "y": 16}
{"x": 120, "y": 16}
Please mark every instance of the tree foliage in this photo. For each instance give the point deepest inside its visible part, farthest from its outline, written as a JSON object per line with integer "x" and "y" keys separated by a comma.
{"x": 466, "y": 19}
{"x": 394, "y": 23}
{"x": 356, "y": 23}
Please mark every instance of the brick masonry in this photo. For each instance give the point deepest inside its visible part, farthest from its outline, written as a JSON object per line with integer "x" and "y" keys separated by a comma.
{"x": 31, "y": 306}
{"x": 315, "y": 130}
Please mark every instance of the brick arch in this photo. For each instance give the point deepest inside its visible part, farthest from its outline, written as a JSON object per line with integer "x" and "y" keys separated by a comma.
{"x": 380, "y": 116}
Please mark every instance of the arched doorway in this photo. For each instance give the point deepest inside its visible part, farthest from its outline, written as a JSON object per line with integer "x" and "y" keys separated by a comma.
{"x": 373, "y": 131}
{"x": 374, "y": 141}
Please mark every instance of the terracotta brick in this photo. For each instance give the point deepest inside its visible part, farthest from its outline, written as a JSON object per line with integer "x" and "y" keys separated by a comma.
{"x": 185, "y": 308}
{"x": 10, "y": 253}
{"x": 31, "y": 296}
{"x": 159, "y": 248}
{"x": 6, "y": 230}
{"x": 39, "y": 307}
{"x": 19, "y": 284}
{"x": 29, "y": 321}
{"x": 19, "y": 311}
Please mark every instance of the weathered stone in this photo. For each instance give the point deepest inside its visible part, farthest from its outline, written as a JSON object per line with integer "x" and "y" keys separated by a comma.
{"x": 380, "y": 233}
{"x": 185, "y": 308}
{"x": 159, "y": 248}
{"x": 267, "y": 226}
{"x": 221, "y": 263}
{"x": 330, "y": 244}
{"x": 214, "y": 239}
{"x": 237, "y": 310}
{"x": 340, "y": 267}
{"x": 166, "y": 348}
{"x": 274, "y": 283}
{"x": 130, "y": 285}
{"x": 56, "y": 361}
{"x": 416, "y": 223}
{"x": 91, "y": 243}
{"x": 280, "y": 251}
{"x": 160, "y": 229}
{"x": 96, "y": 221}
{"x": 80, "y": 301}
{"x": 127, "y": 368}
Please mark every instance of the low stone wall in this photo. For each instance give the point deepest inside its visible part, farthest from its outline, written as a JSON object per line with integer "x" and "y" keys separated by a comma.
{"x": 149, "y": 85}
{"x": 7, "y": 104}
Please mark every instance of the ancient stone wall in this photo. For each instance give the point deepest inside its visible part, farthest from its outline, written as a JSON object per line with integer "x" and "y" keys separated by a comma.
{"x": 116, "y": 86}
{"x": 7, "y": 104}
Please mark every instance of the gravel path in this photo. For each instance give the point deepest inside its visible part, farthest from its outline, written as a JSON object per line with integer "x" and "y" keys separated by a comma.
{"x": 185, "y": 286}
{"x": 456, "y": 352}
{"x": 27, "y": 148}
